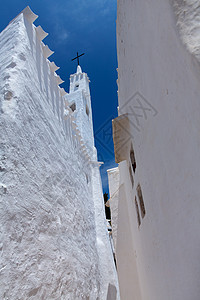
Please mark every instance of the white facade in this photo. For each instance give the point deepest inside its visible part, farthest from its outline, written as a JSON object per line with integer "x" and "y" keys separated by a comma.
{"x": 79, "y": 102}
{"x": 113, "y": 180}
{"x": 158, "y": 79}
{"x": 53, "y": 237}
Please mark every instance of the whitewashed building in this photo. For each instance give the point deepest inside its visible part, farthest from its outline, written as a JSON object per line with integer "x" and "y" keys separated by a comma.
{"x": 155, "y": 190}
{"x": 53, "y": 236}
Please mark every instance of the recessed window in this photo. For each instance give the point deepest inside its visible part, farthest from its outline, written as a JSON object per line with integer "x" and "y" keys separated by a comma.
{"x": 73, "y": 107}
{"x": 133, "y": 161}
{"x": 141, "y": 201}
{"x": 87, "y": 178}
{"x": 81, "y": 77}
{"x": 87, "y": 110}
{"x": 137, "y": 211}
{"x": 131, "y": 175}
{"x": 76, "y": 87}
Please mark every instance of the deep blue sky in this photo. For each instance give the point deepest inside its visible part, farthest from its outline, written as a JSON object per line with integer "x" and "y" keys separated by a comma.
{"x": 86, "y": 26}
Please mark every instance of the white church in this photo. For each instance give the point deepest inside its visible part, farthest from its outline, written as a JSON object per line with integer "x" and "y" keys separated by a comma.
{"x": 54, "y": 241}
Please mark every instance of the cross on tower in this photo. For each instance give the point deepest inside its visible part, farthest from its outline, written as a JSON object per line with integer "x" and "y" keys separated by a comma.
{"x": 77, "y": 57}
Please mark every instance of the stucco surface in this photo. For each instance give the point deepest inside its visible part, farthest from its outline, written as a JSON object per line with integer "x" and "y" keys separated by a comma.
{"x": 48, "y": 241}
{"x": 158, "y": 59}
{"x": 113, "y": 180}
{"x": 188, "y": 21}
{"x": 106, "y": 260}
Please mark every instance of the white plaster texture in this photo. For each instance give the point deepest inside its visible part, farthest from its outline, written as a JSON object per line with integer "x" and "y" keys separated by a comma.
{"x": 113, "y": 181}
{"x": 48, "y": 240}
{"x": 121, "y": 214}
{"x": 188, "y": 20}
{"x": 106, "y": 264}
{"x": 153, "y": 59}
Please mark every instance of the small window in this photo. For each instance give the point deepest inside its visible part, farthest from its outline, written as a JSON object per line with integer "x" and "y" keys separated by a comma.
{"x": 72, "y": 78}
{"x": 87, "y": 110}
{"x": 131, "y": 175}
{"x": 141, "y": 201}
{"x": 76, "y": 87}
{"x": 87, "y": 178}
{"x": 137, "y": 211}
{"x": 133, "y": 161}
{"x": 73, "y": 107}
{"x": 77, "y": 76}
{"x": 81, "y": 77}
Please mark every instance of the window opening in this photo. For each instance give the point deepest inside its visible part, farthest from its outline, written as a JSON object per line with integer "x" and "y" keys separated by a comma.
{"x": 76, "y": 87}
{"x": 87, "y": 178}
{"x": 131, "y": 175}
{"x": 137, "y": 211}
{"x": 73, "y": 107}
{"x": 87, "y": 110}
{"x": 141, "y": 201}
{"x": 133, "y": 161}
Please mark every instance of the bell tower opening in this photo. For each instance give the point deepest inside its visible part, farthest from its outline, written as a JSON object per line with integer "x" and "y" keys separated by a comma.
{"x": 73, "y": 106}
{"x": 76, "y": 87}
{"x": 87, "y": 110}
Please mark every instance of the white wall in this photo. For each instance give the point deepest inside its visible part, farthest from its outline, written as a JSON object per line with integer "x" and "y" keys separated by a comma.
{"x": 154, "y": 62}
{"x": 121, "y": 214}
{"x": 48, "y": 246}
{"x": 106, "y": 260}
{"x": 113, "y": 181}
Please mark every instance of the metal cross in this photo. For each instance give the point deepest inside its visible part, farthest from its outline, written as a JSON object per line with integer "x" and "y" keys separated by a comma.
{"x": 77, "y": 57}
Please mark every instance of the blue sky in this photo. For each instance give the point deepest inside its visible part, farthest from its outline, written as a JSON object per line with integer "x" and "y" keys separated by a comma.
{"x": 85, "y": 26}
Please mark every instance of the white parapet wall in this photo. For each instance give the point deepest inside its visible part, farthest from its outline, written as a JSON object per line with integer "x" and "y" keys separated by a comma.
{"x": 48, "y": 235}
{"x": 106, "y": 259}
{"x": 158, "y": 82}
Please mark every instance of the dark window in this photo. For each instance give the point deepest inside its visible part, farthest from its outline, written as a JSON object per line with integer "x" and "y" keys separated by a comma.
{"x": 137, "y": 211}
{"x": 76, "y": 87}
{"x": 87, "y": 110}
{"x": 87, "y": 178}
{"x": 133, "y": 161}
{"x": 73, "y": 107}
{"x": 131, "y": 175}
{"x": 141, "y": 201}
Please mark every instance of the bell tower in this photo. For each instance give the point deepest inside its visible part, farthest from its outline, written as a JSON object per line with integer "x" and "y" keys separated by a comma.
{"x": 79, "y": 101}
{"x": 79, "y": 81}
